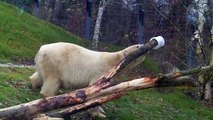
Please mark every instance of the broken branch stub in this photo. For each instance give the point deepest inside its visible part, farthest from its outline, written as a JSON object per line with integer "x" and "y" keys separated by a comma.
{"x": 170, "y": 79}
{"x": 154, "y": 42}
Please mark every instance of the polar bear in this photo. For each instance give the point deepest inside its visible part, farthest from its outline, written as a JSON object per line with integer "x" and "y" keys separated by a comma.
{"x": 71, "y": 66}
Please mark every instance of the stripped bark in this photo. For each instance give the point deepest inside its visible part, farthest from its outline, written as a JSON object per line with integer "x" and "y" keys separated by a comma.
{"x": 107, "y": 95}
{"x": 115, "y": 92}
{"x": 84, "y": 106}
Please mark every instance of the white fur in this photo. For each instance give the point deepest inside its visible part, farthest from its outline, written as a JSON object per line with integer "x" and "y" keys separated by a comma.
{"x": 71, "y": 66}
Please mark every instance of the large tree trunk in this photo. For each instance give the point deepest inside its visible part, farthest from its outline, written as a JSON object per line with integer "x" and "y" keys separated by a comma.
{"x": 101, "y": 9}
{"x": 204, "y": 81}
{"x": 208, "y": 90}
{"x": 88, "y": 18}
{"x": 209, "y": 78}
{"x": 46, "y": 10}
{"x": 202, "y": 10}
{"x": 56, "y": 10}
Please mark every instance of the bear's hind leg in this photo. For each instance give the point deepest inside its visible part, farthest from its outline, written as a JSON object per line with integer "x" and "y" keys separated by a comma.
{"x": 50, "y": 87}
{"x": 36, "y": 81}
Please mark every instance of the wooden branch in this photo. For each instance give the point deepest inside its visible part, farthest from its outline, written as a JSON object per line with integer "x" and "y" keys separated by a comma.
{"x": 119, "y": 90}
{"x": 171, "y": 79}
{"x": 84, "y": 106}
{"x": 107, "y": 95}
{"x": 196, "y": 70}
{"x": 30, "y": 109}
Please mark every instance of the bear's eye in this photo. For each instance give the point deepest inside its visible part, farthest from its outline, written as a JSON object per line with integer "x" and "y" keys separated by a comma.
{"x": 138, "y": 46}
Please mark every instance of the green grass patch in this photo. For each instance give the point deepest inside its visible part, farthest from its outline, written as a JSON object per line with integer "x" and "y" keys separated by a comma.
{"x": 21, "y": 34}
{"x": 14, "y": 86}
{"x": 150, "y": 64}
{"x": 152, "y": 105}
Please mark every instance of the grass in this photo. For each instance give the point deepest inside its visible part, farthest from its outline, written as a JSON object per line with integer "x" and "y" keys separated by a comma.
{"x": 21, "y": 35}
{"x": 152, "y": 105}
{"x": 14, "y": 86}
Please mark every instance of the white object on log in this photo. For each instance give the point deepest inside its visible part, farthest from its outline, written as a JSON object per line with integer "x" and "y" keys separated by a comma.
{"x": 160, "y": 40}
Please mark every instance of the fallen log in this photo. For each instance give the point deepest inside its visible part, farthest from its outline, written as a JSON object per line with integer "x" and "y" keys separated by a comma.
{"x": 166, "y": 80}
{"x": 119, "y": 89}
{"x": 27, "y": 110}
{"x": 106, "y": 95}
{"x": 115, "y": 92}
{"x": 84, "y": 106}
